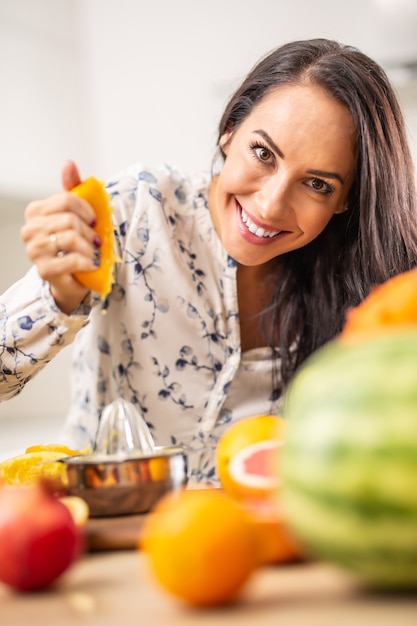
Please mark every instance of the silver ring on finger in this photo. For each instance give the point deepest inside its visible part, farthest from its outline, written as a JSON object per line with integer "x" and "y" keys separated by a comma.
{"x": 54, "y": 241}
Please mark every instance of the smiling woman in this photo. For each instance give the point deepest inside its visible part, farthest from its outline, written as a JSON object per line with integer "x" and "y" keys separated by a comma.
{"x": 280, "y": 185}
{"x": 288, "y": 169}
{"x": 227, "y": 280}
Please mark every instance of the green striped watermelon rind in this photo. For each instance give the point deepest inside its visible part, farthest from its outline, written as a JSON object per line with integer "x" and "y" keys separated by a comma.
{"x": 349, "y": 464}
{"x": 370, "y": 549}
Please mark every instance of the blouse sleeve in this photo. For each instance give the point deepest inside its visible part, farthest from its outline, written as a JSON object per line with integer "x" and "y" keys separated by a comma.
{"x": 32, "y": 331}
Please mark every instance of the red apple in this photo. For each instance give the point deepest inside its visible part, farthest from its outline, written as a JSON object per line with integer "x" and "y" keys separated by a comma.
{"x": 39, "y": 539}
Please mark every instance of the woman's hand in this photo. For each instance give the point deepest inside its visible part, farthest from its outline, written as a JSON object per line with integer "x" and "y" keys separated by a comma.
{"x": 60, "y": 240}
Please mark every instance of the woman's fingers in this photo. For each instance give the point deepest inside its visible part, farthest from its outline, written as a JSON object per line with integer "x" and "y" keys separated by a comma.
{"x": 63, "y": 202}
{"x": 42, "y": 219}
{"x": 60, "y": 240}
{"x": 53, "y": 268}
{"x": 70, "y": 176}
{"x": 57, "y": 241}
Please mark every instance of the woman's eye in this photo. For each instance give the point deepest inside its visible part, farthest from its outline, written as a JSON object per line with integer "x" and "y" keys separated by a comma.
{"x": 321, "y": 186}
{"x": 263, "y": 154}
{"x": 317, "y": 184}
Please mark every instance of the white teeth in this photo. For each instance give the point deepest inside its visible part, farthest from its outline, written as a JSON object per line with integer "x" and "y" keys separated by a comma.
{"x": 257, "y": 230}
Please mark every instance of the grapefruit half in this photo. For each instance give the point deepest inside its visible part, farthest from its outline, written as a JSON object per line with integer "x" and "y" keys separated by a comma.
{"x": 247, "y": 457}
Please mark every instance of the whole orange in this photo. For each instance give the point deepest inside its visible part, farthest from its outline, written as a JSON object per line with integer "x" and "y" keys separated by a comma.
{"x": 249, "y": 436}
{"x": 200, "y": 546}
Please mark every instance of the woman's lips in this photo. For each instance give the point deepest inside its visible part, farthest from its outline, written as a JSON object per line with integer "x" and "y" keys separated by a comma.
{"x": 258, "y": 231}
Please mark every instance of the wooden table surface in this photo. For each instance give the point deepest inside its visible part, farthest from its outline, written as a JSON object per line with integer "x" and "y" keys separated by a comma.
{"x": 114, "y": 587}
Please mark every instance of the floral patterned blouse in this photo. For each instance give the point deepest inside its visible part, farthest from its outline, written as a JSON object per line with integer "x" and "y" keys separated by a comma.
{"x": 166, "y": 338}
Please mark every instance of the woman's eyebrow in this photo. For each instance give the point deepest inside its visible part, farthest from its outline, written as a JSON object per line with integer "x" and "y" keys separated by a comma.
{"x": 324, "y": 174}
{"x": 274, "y": 146}
{"x": 269, "y": 141}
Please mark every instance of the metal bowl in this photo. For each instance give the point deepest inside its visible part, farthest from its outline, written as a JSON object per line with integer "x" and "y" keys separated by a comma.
{"x": 113, "y": 485}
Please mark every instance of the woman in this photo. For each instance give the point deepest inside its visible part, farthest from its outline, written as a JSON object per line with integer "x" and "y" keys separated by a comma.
{"x": 227, "y": 282}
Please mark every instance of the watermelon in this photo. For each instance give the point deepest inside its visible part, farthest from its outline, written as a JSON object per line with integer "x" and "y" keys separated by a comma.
{"x": 349, "y": 463}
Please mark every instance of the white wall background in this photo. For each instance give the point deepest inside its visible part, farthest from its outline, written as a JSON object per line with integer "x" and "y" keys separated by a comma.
{"x": 109, "y": 82}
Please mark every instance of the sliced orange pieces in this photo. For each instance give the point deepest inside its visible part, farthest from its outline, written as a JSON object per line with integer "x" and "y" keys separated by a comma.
{"x": 55, "y": 447}
{"x": 38, "y": 461}
{"x": 27, "y": 468}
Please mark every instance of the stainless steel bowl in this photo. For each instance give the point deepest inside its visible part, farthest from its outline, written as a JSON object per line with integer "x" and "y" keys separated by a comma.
{"x": 113, "y": 485}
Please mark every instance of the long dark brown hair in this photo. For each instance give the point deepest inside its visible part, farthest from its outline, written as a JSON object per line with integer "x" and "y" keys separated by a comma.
{"x": 376, "y": 237}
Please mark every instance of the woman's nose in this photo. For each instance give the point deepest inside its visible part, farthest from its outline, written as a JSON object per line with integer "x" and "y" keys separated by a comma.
{"x": 274, "y": 198}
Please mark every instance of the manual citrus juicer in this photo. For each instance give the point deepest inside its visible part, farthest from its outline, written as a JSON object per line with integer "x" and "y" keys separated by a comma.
{"x": 125, "y": 473}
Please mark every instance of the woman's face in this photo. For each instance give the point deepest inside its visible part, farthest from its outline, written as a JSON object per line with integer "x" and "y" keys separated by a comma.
{"x": 288, "y": 169}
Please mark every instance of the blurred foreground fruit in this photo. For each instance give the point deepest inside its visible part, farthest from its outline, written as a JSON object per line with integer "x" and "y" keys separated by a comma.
{"x": 274, "y": 542}
{"x": 100, "y": 279}
{"x": 39, "y": 539}
{"x": 390, "y": 306}
{"x": 247, "y": 457}
{"x": 200, "y": 546}
{"x": 78, "y": 508}
{"x": 349, "y": 464}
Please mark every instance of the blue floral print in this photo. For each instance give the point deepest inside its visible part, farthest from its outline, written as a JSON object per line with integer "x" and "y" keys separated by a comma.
{"x": 166, "y": 338}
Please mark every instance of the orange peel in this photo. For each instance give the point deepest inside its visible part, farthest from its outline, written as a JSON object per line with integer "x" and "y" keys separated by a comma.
{"x": 101, "y": 279}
